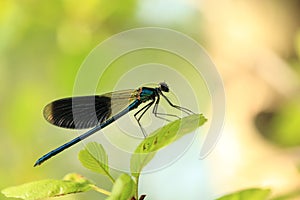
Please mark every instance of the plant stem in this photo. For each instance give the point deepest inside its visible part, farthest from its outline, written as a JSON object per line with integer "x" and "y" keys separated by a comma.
{"x": 137, "y": 187}
{"x": 101, "y": 190}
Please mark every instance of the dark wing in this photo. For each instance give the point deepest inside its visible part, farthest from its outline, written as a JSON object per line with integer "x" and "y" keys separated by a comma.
{"x": 86, "y": 111}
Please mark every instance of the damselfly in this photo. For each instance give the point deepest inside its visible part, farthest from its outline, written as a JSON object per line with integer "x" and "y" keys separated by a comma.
{"x": 98, "y": 111}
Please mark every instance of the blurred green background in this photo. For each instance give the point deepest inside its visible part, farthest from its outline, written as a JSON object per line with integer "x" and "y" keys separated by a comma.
{"x": 255, "y": 45}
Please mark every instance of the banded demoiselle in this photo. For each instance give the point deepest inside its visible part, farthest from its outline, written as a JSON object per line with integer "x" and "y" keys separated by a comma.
{"x": 98, "y": 111}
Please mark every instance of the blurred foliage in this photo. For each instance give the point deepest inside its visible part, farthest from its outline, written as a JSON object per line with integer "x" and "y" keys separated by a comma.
{"x": 286, "y": 124}
{"x": 281, "y": 125}
{"x": 259, "y": 194}
{"x": 253, "y": 193}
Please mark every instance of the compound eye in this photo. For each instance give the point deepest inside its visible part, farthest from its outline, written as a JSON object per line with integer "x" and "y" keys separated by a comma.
{"x": 164, "y": 87}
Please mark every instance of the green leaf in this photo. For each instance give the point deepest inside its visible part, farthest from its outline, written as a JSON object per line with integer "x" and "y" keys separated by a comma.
{"x": 253, "y": 193}
{"x": 295, "y": 194}
{"x": 94, "y": 158}
{"x": 72, "y": 183}
{"x": 161, "y": 138}
{"x": 123, "y": 188}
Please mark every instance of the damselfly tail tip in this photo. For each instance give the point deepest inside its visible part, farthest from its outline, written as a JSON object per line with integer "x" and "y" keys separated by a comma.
{"x": 37, "y": 163}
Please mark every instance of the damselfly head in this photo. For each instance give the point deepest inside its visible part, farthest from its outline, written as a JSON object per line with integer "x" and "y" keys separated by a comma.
{"x": 164, "y": 87}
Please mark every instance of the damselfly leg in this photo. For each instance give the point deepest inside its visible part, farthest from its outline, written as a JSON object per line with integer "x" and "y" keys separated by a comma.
{"x": 157, "y": 114}
{"x": 138, "y": 119}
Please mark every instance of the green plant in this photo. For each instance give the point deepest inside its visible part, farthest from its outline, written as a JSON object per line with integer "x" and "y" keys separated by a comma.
{"x": 94, "y": 158}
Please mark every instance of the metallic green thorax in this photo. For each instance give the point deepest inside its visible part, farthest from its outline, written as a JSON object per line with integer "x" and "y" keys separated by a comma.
{"x": 147, "y": 94}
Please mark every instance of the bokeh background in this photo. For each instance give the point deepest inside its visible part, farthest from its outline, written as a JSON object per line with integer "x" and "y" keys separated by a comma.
{"x": 256, "y": 48}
